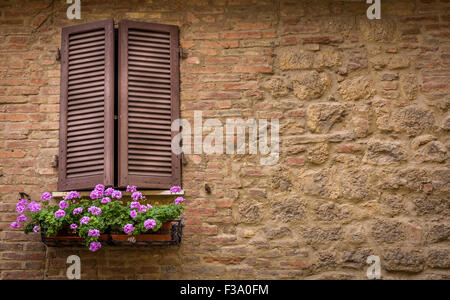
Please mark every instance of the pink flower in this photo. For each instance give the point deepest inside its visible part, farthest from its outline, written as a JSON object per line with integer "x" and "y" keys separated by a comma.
{"x": 131, "y": 188}
{"x": 128, "y": 228}
{"x": 36, "y": 228}
{"x": 149, "y": 206}
{"x": 142, "y": 208}
{"x": 94, "y": 232}
{"x": 73, "y": 226}
{"x": 116, "y": 194}
{"x": 20, "y": 208}
{"x": 175, "y": 189}
{"x": 14, "y": 225}
{"x": 72, "y": 195}
{"x": 94, "y": 246}
{"x": 34, "y": 207}
{"x": 46, "y": 196}
{"x": 109, "y": 191}
{"x": 149, "y": 224}
{"x": 178, "y": 200}
{"x": 106, "y": 200}
{"x": 135, "y": 204}
{"x": 63, "y": 204}
{"x": 77, "y": 210}
{"x": 95, "y": 210}
{"x": 136, "y": 196}
{"x": 84, "y": 220}
{"x": 100, "y": 187}
{"x": 21, "y": 218}
{"x": 60, "y": 213}
{"x": 95, "y": 194}
{"x": 133, "y": 214}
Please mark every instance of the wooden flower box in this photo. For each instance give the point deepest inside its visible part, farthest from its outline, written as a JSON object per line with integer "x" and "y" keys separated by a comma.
{"x": 169, "y": 234}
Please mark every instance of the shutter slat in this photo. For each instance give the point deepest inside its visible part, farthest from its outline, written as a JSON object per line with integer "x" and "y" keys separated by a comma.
{"x": 87, "y": 106}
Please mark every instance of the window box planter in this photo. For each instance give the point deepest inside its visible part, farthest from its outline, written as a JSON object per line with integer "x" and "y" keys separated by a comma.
{"x": 169, "y": 234}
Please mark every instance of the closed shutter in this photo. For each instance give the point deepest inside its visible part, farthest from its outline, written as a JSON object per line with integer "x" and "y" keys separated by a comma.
{"x": 86, "y": 154}
{"x": 148, "y": 103}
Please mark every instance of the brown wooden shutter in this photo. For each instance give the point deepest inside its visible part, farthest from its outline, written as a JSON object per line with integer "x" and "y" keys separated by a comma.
{"x": 148, "y": 103}
{"x": 86, "y": 154}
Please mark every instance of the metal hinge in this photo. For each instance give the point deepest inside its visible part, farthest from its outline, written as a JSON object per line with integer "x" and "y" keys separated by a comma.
{"x": 58, "y": 55}
{"x": 183, "y": 53}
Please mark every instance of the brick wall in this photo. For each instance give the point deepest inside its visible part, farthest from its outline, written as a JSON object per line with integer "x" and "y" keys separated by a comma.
{"x": 364, "y": 122}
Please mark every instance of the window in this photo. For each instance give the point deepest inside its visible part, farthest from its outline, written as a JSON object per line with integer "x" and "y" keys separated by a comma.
{"x": 119, "y": 96}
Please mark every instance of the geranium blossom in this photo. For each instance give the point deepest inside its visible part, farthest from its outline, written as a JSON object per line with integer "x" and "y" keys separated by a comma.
{"x": 84, "y": 220}
{"x": 60, "y": 213}
{"x": 34, "y": 207}
{"x": 46, "y": 196}
{"x": 178, "y": 200}
{"x": 21, "y": 218}
{"x": 95, "y": 194}
{"x": 23, "y": 202}
{"x": 133, "y": 214}
{"x": 63, "y": 204}
{"x": 149, "y": 206}
{"x": 36, "y": 228}
{"x": 142, "y": 208}
{"x": 109, "y": 191}
{"x": 94, "y": 246}
{"x": 135, "y": 204}
{"x": 20, "y": 208}
{"x": 72, "y": 195}
{"x": 175, "y": 189}
{"x": 106, "y": 200}
{"x": 116, "y": 194}
{"x": 136, "y": 196}
{"x": 94, "y": 232}
{"x": 95, "y": 210}
{"x": 149, "y": 223}
{"x": 14, "y": 225}
{"x": 128, "y": 228}
{"x": 100, "y": 187}
{"x": 73, "y": 226}
{"x": 131, "y": 189}
{"x": 77, "y": 210}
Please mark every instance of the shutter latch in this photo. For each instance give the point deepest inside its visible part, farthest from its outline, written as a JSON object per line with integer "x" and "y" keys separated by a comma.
{"x": 58, "y": 55}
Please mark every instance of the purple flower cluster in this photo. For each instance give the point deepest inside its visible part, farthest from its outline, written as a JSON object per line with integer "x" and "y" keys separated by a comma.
{"x": 95, "y": 210}
{"x": 94, "y": 246}
{"x": 106, "y": 200}
{"x": 149, "y": 224}
{"x": 36, "y": 228}
{"x": 21, "y": 218}
{"x": 73, "y": 226}
{"x": 109, "y": 191}
{"x": 63, "y": 204}
{"x": 20, "y": 208}
{"x": 142, "y": 208}
{"x": 133, "y": 214}
{"x": 46, "y": 196}
{"x": 136, "y": 196}
{"x": 14, "y": 225}
{"x": 72, "y": 195}
{"x": 84, "y": 220}
{"x": 77, "y": 210}
{"x": 116, "y": 194}
{"x": 128, "y": 228}
{"x": 179, "y": 200}
{"x": 175, "y": 189}
{"x": 60, "y": 213}
{"x": 94, "y": 232}
{"x": 34, "y": 207}
{"x": 135, "y": 204}
{"x": 131, "y": 189}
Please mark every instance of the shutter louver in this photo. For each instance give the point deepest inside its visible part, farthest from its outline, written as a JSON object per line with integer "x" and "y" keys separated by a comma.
{"x": 87, "y": 106}
{"x": 148, "y": 103}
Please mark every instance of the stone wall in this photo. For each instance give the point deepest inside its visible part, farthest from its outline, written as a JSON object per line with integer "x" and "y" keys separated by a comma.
{"x": 363, "y": 110}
